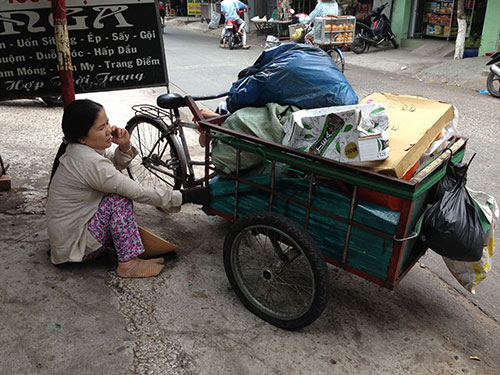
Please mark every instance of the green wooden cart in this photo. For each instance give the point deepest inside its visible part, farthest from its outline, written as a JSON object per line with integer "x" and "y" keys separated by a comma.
{"x": 304, "y": 209}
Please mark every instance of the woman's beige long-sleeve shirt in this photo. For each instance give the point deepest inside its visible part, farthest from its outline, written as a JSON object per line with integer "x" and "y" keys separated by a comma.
{"x": 82, "y": 179}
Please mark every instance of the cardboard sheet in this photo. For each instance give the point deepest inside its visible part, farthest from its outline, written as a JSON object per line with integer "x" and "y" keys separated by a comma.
{"x": 414, "y": 123}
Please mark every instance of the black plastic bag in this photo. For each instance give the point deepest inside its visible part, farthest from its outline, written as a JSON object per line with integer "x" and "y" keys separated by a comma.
{"x": 452, "y": 226}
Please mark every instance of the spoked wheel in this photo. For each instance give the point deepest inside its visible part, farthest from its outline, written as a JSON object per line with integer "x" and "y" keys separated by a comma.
{"x": 338, "y": 58}
{"x": 158, "y": 162}
{"x": 493, "y": 84}
{"x": 276, "y": 270}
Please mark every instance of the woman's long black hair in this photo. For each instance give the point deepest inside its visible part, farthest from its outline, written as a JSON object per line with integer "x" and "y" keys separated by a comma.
{"x": 78, "y": 118}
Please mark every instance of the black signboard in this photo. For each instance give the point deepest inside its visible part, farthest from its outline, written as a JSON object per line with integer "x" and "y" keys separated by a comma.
{"x": 114, "y": 45}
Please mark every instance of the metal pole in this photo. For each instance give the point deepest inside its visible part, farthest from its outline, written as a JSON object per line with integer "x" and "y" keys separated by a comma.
{"x": 63, "y": 51}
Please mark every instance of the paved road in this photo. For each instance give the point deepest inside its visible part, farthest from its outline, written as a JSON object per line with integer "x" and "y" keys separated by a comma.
{"x": 85, "y": 320}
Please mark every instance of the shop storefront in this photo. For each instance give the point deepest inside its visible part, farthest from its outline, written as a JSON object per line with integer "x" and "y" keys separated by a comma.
{"x": 358, "y": 8}
{"x": 438, "y": 19}
{"x": 413, "y": 19}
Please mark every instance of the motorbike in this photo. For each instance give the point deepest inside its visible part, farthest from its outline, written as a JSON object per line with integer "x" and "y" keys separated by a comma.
{"x": 232, "y": 37}
{"x": 375, "y": 34}
{"x": 493, "y": 80}
{"x": 50, "y": 100}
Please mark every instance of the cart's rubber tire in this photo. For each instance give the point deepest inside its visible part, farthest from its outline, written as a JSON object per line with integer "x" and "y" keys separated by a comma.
{"x": 358, "y": 46}
{"x": 337, "y": 58}
{"x": 288, "y": 293}
{"x": 159, "y": 161}
{"x": 493, "y": 85}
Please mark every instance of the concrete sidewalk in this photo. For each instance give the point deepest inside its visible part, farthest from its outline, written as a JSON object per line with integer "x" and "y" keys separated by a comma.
{"x": 82, "y": 319}
{"x": 425, "y": 60}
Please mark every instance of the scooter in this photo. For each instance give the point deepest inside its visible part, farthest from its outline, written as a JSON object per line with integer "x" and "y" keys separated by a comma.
{"x": 232, "y": 37}
{"x": 375, "y": 34}
{"x": 493, "y": 81}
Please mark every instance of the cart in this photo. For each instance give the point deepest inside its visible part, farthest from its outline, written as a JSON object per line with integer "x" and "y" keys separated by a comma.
{"x": 331, "y": 34}
{"x": 333, "y": 31}
{"x": 303, "y": 211}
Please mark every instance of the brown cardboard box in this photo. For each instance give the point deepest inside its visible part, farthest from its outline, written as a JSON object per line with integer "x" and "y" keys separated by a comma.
{"x": 414, "y": 123}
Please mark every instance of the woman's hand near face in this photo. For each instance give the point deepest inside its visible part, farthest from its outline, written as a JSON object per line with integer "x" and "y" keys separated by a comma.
{"x": 121, "y": 137}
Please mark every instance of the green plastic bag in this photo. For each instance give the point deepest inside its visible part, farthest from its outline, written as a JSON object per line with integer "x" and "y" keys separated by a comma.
{"x": 265, "y": 123}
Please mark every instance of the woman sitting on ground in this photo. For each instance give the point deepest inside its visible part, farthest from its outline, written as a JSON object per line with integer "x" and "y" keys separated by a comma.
{"x": 89, "y": 207}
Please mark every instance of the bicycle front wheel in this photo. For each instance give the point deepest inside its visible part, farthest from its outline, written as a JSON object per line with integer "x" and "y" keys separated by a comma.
{"x": 338, "y": 58}
{"x": 158, "y": 162}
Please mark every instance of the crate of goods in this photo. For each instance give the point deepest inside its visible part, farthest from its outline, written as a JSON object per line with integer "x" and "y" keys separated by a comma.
{"x": 334, "y": 30}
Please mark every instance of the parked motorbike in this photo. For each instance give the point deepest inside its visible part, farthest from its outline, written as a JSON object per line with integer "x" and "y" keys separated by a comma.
{"x": 375, "y": 34}
{"x": 493, "y": 80}
{"x": 232, "y": 37}
{"x": 50, "y": 100}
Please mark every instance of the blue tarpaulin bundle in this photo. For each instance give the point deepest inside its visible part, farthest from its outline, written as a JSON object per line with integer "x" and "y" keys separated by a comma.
{"x": 292, "y": 74}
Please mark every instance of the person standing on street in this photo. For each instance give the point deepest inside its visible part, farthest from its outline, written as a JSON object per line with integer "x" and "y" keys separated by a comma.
{"x": 231, "y": 9}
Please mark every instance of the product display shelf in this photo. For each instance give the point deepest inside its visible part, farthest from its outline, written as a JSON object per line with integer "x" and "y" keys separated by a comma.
{"x": 440, "y": 18}
{"x": 334, "y": 30}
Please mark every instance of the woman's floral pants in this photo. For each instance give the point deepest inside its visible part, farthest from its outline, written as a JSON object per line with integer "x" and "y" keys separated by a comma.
{"x": 114, "y": 224}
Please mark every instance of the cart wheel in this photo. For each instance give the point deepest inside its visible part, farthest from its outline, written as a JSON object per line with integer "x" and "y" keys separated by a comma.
{"x": 337, "y": 57}
{"x": 276, "y": 270}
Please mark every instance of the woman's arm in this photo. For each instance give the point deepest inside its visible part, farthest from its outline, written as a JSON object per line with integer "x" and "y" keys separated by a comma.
{"x": 102, "y": 175}
{"x": 124, "y": 153}
{"x": 313, "y": 14}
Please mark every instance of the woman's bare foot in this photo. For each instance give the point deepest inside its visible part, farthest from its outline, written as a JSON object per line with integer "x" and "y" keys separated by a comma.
{"x": 156, "y": 260}
{"x": 137, "y": 267}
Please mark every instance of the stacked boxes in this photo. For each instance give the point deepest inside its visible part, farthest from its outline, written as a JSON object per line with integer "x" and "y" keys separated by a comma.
{"x": 347, "y": 134}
